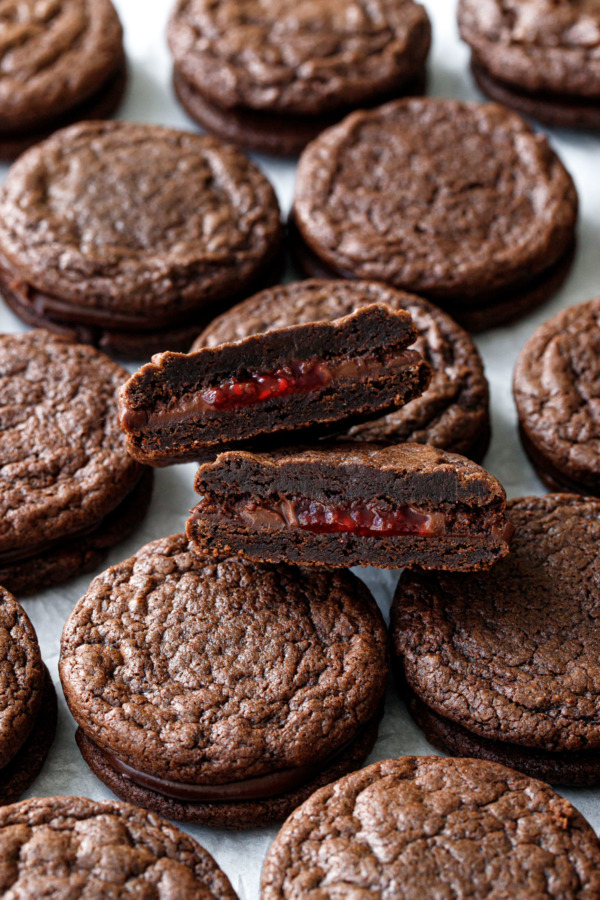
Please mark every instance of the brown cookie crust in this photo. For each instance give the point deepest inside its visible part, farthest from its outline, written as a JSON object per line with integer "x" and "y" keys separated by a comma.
{"x": 221, "y": 671}
{"x": 21, "y": 677}
{"x": 538, "y": 45}
{"x": 390, "y": 194}
{"x": 54, "y": 55}
{"x": 292, "y": 57}
{"x": 483, "y": 651}
{"x": 63, "y": 464}
{"x": 420, "y": 827}
{"x": 556, "y": 386}
{"x": 70, "y": 229}
{"x": 452, "y": 414}
{"x": 74, "y": 847}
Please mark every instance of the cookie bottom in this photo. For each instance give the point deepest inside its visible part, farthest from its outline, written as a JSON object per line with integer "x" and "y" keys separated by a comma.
{"x": 552, "y": 109}
{"x": 480, "y": 313}
{"x": 235, "y": 816}
{"x": 25, "y": 766}
{"x": 78, "y": 555}
{"x": 273, "y": 133}
{"x": 553, "y": 478}
{"x": 100, "y": 105}
{"x": 577, "y": 768}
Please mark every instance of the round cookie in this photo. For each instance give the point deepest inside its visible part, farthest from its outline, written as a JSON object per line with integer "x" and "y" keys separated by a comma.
{"x": 417, "y": 827}
{"x": 452, "y": 414}
{"x": 60, "y": 61}
{"x": 556, "y": 386}
{"x": 68, "y": 488}
{"x": 271, "y": 75}
{"x": 27, "y": 702}
{"x": 539, "y": 57}
{"x": 228, "y": 691}
{"x": 459, "y": 202}
{"x": 137, "y": 254}
{"x": 74, "y": 847}
{"x": 487, "y": 670}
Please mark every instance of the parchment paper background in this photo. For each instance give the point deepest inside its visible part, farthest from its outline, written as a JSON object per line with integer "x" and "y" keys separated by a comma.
{"x": 150, "y": 100}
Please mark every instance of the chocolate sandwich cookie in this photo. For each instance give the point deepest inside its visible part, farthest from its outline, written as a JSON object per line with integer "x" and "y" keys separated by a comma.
{"x": 556, "y": 386}
{"x": 133, "y": 236}
{"x": 408, "y": 505}
{"x": 67, "y": 847}
{"x": 27, "y": 702}
{"x": 459, "y": 202}
{"x": 226, "y": 692}
{"x": 68, "y": 487}
{"x": 504, "y": 665}
{"x": 423, "y": 827}
{"x": 306, "y": 377}
{"x": 271, "y": 76}
{"x": 538, "y": 56}
{"x": 60, "y": 61}
{"x": 452, "y": 414}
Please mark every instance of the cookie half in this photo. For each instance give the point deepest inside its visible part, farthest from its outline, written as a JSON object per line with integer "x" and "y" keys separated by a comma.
{"x": 226, "y": 692}
{"x": 539, "y": 58}
{"x": 59, "y": 62}
{"x": 68, "y": 487}
{"x": 408, "y": 505}
{"x": 556, "y": 383}
{"x": 459, "y": 202}
{"x": 307, "y": 377}
{"x": 28, "y": 707}
{"x": 503, "y": 665}
{"x": 420, "y": 827}
{"x": 129, "y": 263}
{"x": 271, "y": 77}
{"x": 75, "y": 847}
{"x": 452, "y": 414}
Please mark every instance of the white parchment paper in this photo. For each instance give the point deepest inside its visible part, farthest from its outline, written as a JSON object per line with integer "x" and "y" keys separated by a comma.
{"x": 150, "y": 100}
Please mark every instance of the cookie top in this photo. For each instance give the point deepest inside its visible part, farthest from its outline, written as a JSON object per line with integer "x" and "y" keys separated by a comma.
{"x": 444, "y": 198}
{"x": 452, "y": 411}
{"x": 74, "y": 847}
{"x": 483, "y": 651}
{"x": 136, "y": 219}
{"x": 53, "y": 55}
{"x": 420, "y": 827}
{"x": 63, "y": 463}
{"x": 556, "y": 387}
{"x": 21, "y": 676}
{"x": 537, "y": 45}
{"x": 297, "y": 57}
{"x": 206, "y": 672}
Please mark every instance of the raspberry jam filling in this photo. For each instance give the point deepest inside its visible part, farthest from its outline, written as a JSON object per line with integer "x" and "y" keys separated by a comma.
{"x": 295, "y": 378}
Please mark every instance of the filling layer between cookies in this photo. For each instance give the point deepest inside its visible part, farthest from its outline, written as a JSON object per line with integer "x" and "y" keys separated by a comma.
{"x": 366, "y": 519}
{"x": 255, "y": 388}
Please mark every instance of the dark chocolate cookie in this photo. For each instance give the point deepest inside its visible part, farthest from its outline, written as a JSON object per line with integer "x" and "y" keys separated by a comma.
{"x": 310, "y": 377}
{"x": 271, "y": 75}
{"x": 129, "y": 235}
{"x": 68, "y": 488}
{"x": 505, "y": 665}
{"x": 228, "y": 691}
{"x": 27, "y": 701}
{"x": 538, "y": 56}
{"x": 452, "y": 414}
{"x": 556, "y": 387}
{"x": 424, "y": 827}
{"x": 403, "y": 505}
{"x": 68, "y": 847}
{"x": 60, "y": 61}
{"x": 460, "y": 202}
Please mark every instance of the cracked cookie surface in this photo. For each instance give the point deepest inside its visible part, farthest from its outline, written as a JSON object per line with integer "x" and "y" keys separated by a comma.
{"x": 419, "y": 827}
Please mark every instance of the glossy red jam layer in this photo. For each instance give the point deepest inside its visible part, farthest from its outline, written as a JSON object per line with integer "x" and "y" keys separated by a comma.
{"x": 295, "y": 378}
{"x": 365, "y": 520}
